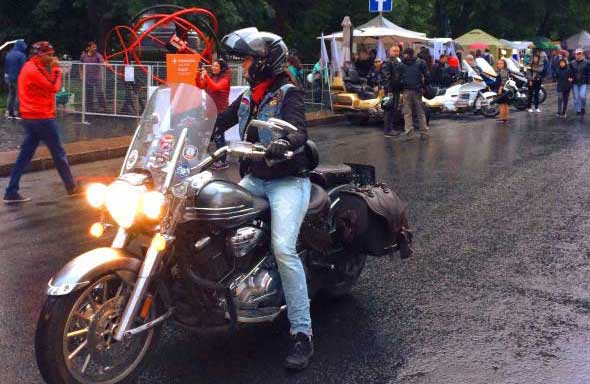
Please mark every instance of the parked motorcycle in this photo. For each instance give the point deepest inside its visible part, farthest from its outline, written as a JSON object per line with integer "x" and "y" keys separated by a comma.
{"x": 470, "y": 94}
{"x": 195, "y": 249}
{"x": 521, "y": 101}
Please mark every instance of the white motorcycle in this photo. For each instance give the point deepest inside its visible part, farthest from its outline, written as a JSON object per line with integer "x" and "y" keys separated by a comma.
{"x": 471, "y": 96}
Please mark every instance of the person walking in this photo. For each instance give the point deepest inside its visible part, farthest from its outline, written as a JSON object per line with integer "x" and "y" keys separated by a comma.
{"x": 93, "y": 77}
{"x": 581, "y": 71}
{"x": 13, "y": 63}
{"x": 37, "y": 87}
{"x": 565, "y": 78}
{"x": 535, "y": 73}
{"x": 392, "y": 84}
{"x": 217, "y": 85}
{"x": 414, "y": 76}
{"x": 501, "y": 79}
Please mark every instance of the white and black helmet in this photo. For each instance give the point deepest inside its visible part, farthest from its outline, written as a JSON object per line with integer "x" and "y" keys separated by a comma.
{"x": 268, "y": 50}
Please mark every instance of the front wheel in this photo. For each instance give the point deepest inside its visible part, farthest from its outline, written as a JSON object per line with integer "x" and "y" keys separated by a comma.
{"x": 74, "y": 341}
{"x": 489, "y": 109}
{"x": 521, "y": 103}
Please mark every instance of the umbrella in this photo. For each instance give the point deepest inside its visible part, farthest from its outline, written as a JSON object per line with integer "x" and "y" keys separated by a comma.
{"x": 381, "y": 50}
{"x": 347, "y": 39}
{"x": 479, "y": 46}
{"x": 324, "y": 59}
{"x": 336, "y": 59}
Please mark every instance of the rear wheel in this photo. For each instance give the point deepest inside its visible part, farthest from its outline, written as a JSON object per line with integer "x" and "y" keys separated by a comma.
{"x": 349, "y": 271}
{"x": 521, "y": 103}
{"x": 74, "y": 341}
{"x": 542, "y": 95}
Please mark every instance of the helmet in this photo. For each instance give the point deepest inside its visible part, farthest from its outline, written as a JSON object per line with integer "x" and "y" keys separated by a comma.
{"x": 41, "y": 48}
{"x": 267, "y": 49}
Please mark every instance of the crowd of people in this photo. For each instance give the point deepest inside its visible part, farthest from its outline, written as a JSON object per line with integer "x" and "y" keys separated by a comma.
{"x": 398, "y": 76}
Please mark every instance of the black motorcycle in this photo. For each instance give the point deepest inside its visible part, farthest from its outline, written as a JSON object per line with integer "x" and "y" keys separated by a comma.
{"x": 194, "y": 248}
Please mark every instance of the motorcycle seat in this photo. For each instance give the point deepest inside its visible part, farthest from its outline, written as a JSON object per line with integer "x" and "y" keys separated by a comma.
{"x": 329, "y": 176}
{"x": 318, "y": 200}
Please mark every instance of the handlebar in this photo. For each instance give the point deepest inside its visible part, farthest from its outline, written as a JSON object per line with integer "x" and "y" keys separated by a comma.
{"x": 241, "y": 149}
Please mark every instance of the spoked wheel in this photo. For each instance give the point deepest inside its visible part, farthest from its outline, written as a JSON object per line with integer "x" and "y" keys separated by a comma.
{"x": 349, "y": 271}
{"x": 74, "y": 341}
{"x": 489, "y": 109}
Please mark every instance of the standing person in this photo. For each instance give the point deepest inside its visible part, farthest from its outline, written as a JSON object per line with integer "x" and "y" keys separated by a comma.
{"x": 295, "y": 71}
{"x": 581, "y": 72}
{"x": 439, "y": 71}
{"x": 285, "y": 184}
{"x": 93, "y": 73}
{"x": 424, "y": 54}
{"x": 565, "y": 78}
{"x": 363, "y": 64}
{"x": 489, "y": 57}
{"x": 13, "y": 63}
{"x": 217, "y": 86}
{"x": 392, "y": 83}
{"x": 501, "y": 79}
{"x": 414, "y": 76}
{"x": 318, "y": 75}
{"x": 534, "y": 74}
{"x": 37, "y": 87}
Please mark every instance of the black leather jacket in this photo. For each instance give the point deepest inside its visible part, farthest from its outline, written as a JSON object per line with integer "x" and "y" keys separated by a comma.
{"x": 414, "y": 74}
{"x": 292, "y": 111}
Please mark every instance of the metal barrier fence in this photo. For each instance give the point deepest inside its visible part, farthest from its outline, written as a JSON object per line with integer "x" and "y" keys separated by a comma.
{"x": 120, "y": 90}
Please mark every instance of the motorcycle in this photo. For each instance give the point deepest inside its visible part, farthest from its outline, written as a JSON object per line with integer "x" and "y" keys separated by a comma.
{"x": 470, "y": 94}
{"x": 521, "y": 101}
{"x": 192, "y": 248}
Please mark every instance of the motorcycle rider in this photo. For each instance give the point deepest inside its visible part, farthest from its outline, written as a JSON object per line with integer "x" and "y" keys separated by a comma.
{"x": 286, "y": 185}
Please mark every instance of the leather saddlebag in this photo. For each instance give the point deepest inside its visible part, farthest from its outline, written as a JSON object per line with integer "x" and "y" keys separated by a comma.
{"x": 373, "y": 220}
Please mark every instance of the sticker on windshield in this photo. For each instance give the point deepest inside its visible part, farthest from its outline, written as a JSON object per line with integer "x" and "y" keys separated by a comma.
{"x": 190, "y": 152}
{"x": 167, "y": 142}
{"x": 183, "y": 171}
{"x": 132, "y": 159}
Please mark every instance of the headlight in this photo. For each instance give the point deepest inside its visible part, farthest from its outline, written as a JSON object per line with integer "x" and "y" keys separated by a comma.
{"x": 96, "y": 194}
{"x": 152, "y": 204}
{"x": 123, "y": 202}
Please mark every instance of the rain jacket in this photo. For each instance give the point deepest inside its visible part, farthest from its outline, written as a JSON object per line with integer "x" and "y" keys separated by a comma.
{"x": 581, "y": 70}
{"x": 217, "y": 87}
{"x": 37, "y": 89}
{"x": 15, "y": 59}
{"x": 414, "y": 74}
{"x": 562, "y": 75}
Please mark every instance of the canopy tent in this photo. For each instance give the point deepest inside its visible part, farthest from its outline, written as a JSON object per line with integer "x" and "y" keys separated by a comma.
{"x": 370, "y": 32}
{"x": 440, "y": 45}
{"x": 479, "y": 36}
{"x": 579, "y": 40}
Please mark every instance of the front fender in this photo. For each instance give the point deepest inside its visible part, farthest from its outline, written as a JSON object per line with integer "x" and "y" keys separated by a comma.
{"x": 80, "y": 271}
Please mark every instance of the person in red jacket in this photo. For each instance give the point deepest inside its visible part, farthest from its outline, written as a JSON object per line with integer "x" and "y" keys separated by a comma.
{"x": 217, "y": 85}
{"x": 38, "y": 82}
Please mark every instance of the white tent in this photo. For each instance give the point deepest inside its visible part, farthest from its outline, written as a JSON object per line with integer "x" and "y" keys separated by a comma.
{"x": 579, "y": 40}
{"x": 381, "y": 27}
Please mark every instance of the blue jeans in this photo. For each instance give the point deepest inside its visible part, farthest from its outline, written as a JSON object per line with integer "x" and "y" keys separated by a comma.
{"x": 579, "y": 97}
{"x": 36, "y": 131}
{"x": 289, "y": 200}
{"x": 12, "y": 98}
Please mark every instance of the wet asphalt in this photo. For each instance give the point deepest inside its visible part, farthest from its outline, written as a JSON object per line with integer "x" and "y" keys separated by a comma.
{"x": 497, "y": 291}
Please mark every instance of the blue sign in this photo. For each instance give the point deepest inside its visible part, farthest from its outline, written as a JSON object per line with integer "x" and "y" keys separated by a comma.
{"x": 380, "y": 5}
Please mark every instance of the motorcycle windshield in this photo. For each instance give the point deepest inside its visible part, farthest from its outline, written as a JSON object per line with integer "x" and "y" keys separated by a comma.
{"x": 485, "y": 67}
{"x": 470, "y": 71}
{"x": 173, "y": 134}
{"x": 511, "y": 65}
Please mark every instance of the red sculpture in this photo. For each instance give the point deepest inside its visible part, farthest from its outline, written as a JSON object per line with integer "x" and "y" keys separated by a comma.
{"x": 162, "y": 29}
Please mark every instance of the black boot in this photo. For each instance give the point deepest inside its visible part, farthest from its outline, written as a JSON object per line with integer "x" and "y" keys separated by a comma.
{"x": 300, "y": 352}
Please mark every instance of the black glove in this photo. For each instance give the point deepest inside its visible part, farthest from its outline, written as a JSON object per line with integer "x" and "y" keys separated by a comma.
{"x": 277, "y": 149}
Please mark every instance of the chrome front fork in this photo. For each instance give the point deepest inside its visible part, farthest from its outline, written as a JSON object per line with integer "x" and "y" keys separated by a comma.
{"x": 148, "y": 268}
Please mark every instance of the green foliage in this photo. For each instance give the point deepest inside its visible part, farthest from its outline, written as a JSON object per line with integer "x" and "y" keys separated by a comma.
{"x": 68, "y": 24}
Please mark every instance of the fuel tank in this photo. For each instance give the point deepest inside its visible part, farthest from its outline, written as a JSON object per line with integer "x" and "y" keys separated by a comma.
{"x": 224, "y": 204}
